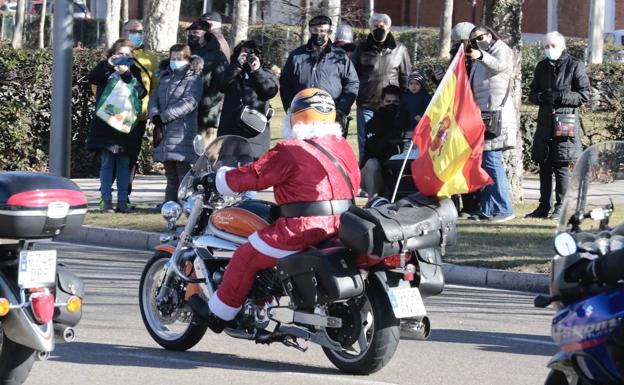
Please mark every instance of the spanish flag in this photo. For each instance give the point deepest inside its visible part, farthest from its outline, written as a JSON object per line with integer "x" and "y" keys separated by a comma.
{"x": 449, "y": 138}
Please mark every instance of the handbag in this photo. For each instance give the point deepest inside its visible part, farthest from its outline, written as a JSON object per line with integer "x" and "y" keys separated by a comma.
{"x": 119, "y": 105}
{"x": 492, "y": 120}
{"x": 565, "y": 125}
{"x": 254, "y": 122}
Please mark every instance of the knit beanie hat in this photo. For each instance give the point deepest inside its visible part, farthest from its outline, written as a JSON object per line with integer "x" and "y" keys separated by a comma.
{"x": 415, "y": 75}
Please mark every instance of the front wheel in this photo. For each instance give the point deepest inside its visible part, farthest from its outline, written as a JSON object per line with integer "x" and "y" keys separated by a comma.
{"x": 15, "y": 361}
{"x": 370, "y": 332}
{"x": 170, "y": 323}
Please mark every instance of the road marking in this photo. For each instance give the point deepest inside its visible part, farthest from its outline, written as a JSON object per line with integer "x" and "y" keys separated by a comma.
{"x": 208, "y": 365}
{"x": 529, "y": 340}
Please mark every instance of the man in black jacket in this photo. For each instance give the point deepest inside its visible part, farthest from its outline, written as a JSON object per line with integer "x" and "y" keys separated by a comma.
{"x": 385, "y": 133}
{"x": 560, "y": 85}
{"x": 318, "y": 64}
{"x": 380, "y": 60}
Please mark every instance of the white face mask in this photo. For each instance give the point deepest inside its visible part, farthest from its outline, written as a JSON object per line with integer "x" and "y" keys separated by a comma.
{"x": 553, "y": 53}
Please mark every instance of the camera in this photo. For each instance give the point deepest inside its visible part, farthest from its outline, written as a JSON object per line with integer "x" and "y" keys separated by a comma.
{"x": 251, "y": 57}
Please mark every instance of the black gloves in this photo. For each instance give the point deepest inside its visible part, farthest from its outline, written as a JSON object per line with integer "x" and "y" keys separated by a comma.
{"x": 549, "y": 97}
{"x": 157, "y": 120}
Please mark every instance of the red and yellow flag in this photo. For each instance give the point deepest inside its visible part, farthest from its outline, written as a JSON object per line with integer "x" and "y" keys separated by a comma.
{"x": 449, "y": 138}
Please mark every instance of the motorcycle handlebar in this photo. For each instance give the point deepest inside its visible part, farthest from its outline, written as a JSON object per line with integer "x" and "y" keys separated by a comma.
{"x": 608, "y": 269}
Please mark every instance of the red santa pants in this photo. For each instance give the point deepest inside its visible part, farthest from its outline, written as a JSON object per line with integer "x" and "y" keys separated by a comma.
{"x": 238, "y": 279}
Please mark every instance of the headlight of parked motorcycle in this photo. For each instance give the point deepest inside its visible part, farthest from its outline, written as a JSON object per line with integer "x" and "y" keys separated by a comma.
{"x": 171, "y": 211}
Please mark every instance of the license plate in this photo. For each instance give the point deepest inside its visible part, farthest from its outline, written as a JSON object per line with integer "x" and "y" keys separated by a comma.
{"x": 406, "y": 302}
{"x": 37, "y": 268}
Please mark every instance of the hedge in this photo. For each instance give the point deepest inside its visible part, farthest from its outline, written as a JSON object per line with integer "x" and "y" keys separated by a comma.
{"x": 25, "y": 85}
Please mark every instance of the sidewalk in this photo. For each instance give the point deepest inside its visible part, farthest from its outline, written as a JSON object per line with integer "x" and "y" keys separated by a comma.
{"x": 149, "y": 190}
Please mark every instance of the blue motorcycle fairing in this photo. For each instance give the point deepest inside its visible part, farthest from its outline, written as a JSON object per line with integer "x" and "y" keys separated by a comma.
{"x": 583, "y": 328}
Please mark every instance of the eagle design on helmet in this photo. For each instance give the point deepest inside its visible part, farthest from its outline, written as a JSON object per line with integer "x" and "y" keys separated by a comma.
{"x": 312, "y": 105}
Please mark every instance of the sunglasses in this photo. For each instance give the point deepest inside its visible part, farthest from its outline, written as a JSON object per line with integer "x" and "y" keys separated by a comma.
{"x": 478, "y": 38}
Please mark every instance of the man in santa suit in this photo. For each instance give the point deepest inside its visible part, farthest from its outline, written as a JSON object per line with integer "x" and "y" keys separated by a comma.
{"x": 310, "y": 189}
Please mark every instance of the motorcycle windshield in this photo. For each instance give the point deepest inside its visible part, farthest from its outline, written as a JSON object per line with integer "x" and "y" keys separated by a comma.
{"x": 597, "y": 181}
{"x": 228, "y": 150}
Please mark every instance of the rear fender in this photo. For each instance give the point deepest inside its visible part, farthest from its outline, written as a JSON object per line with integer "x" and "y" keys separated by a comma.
{"x": 20, "y": 328}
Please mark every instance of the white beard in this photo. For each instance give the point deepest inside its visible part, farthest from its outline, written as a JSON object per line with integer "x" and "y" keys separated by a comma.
{"x": 303, "y": 131}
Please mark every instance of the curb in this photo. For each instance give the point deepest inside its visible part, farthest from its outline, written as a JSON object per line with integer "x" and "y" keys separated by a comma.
{"x": 453, "y": 274}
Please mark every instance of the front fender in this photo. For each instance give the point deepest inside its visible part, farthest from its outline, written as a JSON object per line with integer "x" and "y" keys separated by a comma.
{"x": 563, "y": 363}
{"x": 20, "y": 328}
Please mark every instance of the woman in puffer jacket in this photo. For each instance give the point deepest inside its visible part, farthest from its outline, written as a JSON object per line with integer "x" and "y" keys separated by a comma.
{"x": 173, "y": 106}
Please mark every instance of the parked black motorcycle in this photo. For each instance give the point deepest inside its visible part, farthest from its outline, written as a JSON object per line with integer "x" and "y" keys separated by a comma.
{"x": 40, "y": 300}
{"x": 347, "y": 294}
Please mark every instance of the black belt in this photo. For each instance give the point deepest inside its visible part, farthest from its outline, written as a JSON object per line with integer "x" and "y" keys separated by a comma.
{"x": 314, "y": 209}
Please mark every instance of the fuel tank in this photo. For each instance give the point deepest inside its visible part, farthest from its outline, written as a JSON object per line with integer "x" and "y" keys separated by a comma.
{"x": 243, "y": 218}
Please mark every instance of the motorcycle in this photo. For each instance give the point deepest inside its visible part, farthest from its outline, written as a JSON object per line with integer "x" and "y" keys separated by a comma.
{"x": 40, "y": 300}
{"x": 589, "y": 300}
{"x": 346, "y": 294}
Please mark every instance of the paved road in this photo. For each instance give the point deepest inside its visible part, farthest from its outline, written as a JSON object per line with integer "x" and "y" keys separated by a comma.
{"x": 480, "y": 336}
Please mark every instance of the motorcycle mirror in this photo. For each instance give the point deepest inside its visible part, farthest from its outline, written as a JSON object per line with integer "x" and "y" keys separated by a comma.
{"x": 565, "y": 244}
{"x": 199, "y": 145}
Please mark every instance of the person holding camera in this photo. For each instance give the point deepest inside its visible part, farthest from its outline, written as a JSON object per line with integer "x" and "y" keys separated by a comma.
{"x": 320, "y": 64}
{"x": 173, "y": 110}
{"x": 119, "y": 74}
{"x": 247, "y": 88}
{"x": 491, "y": 78}
{"x": 560, "y": 86}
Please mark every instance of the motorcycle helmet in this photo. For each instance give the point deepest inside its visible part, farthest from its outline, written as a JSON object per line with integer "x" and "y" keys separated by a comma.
{"x": 312, "y": 105}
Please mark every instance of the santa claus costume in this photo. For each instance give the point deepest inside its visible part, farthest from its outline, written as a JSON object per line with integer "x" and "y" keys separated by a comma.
{"x": 308, "y": 186}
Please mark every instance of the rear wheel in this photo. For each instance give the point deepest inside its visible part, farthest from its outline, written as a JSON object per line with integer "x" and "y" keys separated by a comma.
{"x": 170, "y": 323}
{"x": 15, "y": 361}
{"x": 374, "y": 332}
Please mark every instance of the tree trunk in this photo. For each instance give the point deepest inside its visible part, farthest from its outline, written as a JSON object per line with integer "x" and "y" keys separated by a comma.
{"x": 446, "y": 24}
{"x": 207, "y": 6}
{"x": 505, "y": 17}
{"x": 161, "y": 24}
{"x": 42, "y": 25}
{"x": 596, "y": 29}
{"x": 370, "y": 8}
{"x": 240, "y": 21}
{"x": 113, "y": 10}
{"x": 125, "y": 10}
{"x": 332, "y": 10}
{"x": 253, "y": 12}
{"x": 305, "y": 19}
{"x": 19, "y": 24}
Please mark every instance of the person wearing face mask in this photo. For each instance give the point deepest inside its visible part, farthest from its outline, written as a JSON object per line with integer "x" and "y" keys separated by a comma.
{"x": 491, "y": 78}
{"x": 173, "y": 106}
{"x": 214, "y": 19}
{"x": 384, "y": 138}
{"x": 380, "y": 60}
{"x": 205, "y": 45}
{"x": 246, "y": 82}
{"x": 560, "y": 86}
{"x": 319, "y": 64}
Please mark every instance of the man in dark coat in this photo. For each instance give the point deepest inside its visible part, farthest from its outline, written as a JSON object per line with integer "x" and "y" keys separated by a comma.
{"x": 319, "y": 64}
{"x": 205, "y": 45}
{"x": 214, "y": 19}
{"x": 246, "y": 83}
{"x": 560, "y": 86}
{"x": 380, "y": 60}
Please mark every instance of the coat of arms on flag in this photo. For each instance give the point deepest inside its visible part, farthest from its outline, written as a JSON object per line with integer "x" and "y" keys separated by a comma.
{"x": 450, "y": 137}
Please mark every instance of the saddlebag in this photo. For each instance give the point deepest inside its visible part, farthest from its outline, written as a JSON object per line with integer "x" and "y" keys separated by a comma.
{"x": 37, "y": 205}
{"x": 430, "y": 278}
{"x": 413, "y": 223}
{"x": 67, "y": 284}
{"x": 320, "y": 276}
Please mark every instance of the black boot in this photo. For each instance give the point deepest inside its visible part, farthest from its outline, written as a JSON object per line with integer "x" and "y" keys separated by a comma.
{"x": 539, "y": 212}
{"x": 122, "y": 207}
{"x": 202, "y": 311}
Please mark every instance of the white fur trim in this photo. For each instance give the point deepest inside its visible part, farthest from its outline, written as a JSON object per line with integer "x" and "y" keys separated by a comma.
{"x": 221, "y": 182}
{"x": 221, "y": 310}
{"x": 266, "y": 249}
{"x": 303, "y": 131}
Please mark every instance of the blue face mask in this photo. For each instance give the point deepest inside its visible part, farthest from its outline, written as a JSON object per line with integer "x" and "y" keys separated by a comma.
{"x": 136, "y": 39}
{"x": 175, "y": 64}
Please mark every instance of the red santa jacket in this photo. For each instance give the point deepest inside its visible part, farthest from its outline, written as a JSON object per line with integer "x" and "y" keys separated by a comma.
{"x": 298, "y": 172}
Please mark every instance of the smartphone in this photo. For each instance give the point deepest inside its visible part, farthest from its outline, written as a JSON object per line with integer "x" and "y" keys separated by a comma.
{"x": 124, "y": 61}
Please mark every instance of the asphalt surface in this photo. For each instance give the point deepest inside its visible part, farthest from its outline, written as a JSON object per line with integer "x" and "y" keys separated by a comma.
{"x": 479, "y": 336}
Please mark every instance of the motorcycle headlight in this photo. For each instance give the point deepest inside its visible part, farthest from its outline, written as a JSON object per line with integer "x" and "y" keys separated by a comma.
{"x": 171, "y": 211}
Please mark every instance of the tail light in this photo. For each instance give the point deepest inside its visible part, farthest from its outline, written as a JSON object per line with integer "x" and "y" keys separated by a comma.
{"x": 394, "y": 261}
{"x": 42, "y": 306}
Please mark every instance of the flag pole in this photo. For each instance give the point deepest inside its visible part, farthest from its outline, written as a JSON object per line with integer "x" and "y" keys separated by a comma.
{"x": 409, "y": 150}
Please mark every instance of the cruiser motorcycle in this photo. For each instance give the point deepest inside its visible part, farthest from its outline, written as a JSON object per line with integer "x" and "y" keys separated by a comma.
{"x": 586, "y": 274}
{"x": 346, "y": 294}
{"x": 40, "y": 300}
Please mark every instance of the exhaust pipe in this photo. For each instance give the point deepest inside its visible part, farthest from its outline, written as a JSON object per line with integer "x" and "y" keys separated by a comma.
{"x": 64, "y": 333}
{"x": 42, "y": 356}
{"x": 415, "y": 328}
